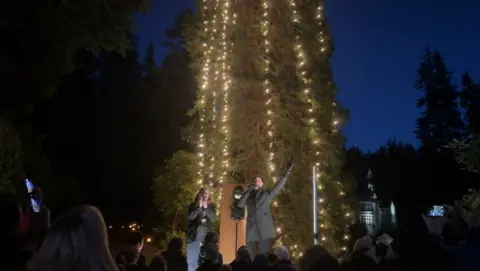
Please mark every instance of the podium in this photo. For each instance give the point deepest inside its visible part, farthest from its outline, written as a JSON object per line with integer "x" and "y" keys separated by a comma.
{"x": 227, "y": 226}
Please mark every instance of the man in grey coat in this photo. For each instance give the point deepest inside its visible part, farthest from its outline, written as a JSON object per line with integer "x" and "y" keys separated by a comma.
{"x": 258, "y": 200}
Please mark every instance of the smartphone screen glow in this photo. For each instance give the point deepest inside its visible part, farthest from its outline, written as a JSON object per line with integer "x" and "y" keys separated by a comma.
{"x": 437, "y": 210}
{"x": 33, "y": 201}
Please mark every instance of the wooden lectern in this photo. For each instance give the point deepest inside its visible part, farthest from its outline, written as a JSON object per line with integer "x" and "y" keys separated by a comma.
{"x": 227, "y": 226}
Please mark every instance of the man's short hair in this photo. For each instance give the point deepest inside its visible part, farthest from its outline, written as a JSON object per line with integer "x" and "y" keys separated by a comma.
{"x": 134, "y": 238}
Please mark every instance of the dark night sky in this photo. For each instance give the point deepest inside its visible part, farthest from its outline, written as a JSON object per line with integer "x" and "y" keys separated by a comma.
{"x": 378, "y": 48}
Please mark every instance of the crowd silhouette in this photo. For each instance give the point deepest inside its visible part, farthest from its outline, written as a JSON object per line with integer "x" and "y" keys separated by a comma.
{"x": 78, "y": 240}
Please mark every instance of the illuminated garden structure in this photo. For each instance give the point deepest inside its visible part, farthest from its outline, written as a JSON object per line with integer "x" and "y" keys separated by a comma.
{"x": 266, "y": 95}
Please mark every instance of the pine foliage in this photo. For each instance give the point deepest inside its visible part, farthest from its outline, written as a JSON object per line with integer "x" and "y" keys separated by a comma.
{"x": 306, "y": 137}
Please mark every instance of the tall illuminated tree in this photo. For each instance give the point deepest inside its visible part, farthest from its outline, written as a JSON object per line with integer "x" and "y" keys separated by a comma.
{"x": 266, "y": 95}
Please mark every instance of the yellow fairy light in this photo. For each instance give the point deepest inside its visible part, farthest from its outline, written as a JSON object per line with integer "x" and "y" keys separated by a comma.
{"x": 319, "y": 18}
{"x": 302, "y": 64}
{"x": 304, "y": 76}
{"x": 213, "y": 90}
{"x": 265, "y": 25}
{"x": 226, "y": 81}
{"x": 205, "y": 84}
{"x": 267, "y": 87}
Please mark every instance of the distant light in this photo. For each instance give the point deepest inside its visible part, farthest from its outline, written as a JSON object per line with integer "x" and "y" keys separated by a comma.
{"x": 149, "y": 240}
{"x": 110, "y": 227}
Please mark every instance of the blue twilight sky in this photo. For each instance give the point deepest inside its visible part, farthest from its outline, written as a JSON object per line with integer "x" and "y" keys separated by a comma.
{"x": 378, "y": 48}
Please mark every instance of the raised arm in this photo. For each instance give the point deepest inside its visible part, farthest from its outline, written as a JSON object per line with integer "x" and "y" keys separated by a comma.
{"x": 211, "y": 211}
{"x": 281, "y": 183}
{"x": 243, "y": 200}
{"x": 193, "y": 211}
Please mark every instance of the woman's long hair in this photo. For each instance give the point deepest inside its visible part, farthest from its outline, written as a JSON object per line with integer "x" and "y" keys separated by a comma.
{"x": 77, "y": 241}
{"x": 200, "y": 193}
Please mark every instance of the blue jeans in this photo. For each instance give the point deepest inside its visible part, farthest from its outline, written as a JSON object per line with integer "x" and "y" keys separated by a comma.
{"x": 193, "y": 250}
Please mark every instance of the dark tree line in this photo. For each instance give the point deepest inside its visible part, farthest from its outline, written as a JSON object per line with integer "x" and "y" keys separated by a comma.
{"x": 93, "y": 119}
{"x": 415, "y": 178}
{"x": 111, "y": 123}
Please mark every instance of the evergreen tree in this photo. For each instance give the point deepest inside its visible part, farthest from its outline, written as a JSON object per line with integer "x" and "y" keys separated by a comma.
{"x": 176, "y": 178}
{"x": 11, "y": 168}
{"x": 67, "y": 122}
{"x": 150, "y": 63}
{"x": 49, "y": 34}
{"x": 440, "y": 121}
{"x": 176, "y": 170}
{"x": 470, "y": 101}
{"x": 39, "y": 41}
{"x": 266, "y": 95}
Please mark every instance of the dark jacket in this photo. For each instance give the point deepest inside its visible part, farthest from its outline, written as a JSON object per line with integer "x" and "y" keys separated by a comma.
{"x": 465, "y": 256}
{"x": 137, "y": 268}
{"x": 241, "y": 265}
{"x": 120, "y": 261}
{"x": 175, "y": 261}
{"x": 282, "y": 265}
{"x": 209, "y": 253}
{"x": 200, "y": 216}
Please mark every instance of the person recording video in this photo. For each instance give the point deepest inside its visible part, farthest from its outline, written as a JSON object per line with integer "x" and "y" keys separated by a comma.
{"x": 258, "y": 199}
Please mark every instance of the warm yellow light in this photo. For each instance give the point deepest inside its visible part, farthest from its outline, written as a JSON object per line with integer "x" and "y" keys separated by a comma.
{"x": 205, "y": 84}
{"x": 149, "y": 239}
{"x": 227, "y": 20}
{"x": 267, "y": 85}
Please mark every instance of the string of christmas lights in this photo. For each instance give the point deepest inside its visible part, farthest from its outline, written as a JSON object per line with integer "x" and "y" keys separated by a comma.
{"x": 226, "y": 81}
{"x": 204, "y": 85}
{"x": 268, "y": 88}
{"x": 213, "y": 90}
{"x": 319, "y": 17}
{"x": 302, "y": 70}
{"x": 309, "y": 97}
